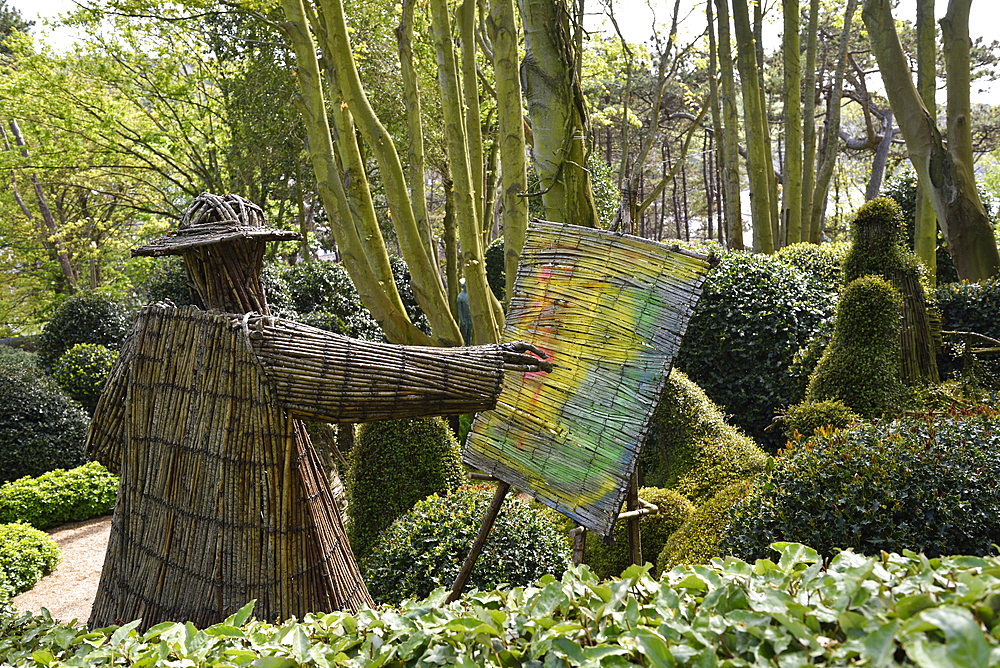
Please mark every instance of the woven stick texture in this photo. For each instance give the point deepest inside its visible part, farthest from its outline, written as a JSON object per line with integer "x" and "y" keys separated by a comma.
{"x": 610, "y": 311}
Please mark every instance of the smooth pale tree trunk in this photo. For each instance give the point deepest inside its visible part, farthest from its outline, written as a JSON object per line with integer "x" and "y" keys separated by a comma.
{"x": 513, "y": 166}
{"x": 809, "y": 122}
{"x": 731, "y": 137}
{"x": 466, "y": 19}
{"x": 485, "y": 308}
{"x": 772, "y": 180}
{"x": 881, "y": 157}
{"x": 791, "y": 205}
{"x": 831, "y": 133}
{"x": 925, "y": 220}
{"x": 558, "y": 113}
{"x": 946, "y": 172}
{"x": 713, "y": 88}
{"x": 311, "y": 104}
{"x": 759, "y": 160}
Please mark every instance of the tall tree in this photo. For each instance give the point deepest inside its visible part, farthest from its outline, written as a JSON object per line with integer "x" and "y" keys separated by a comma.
{"x": 731, "y": 138}
{"x": 944, "y": 169}
{"x": 925, "y": 220}
{"x": 791, "y": 206}
{"x": 809, "y": 122}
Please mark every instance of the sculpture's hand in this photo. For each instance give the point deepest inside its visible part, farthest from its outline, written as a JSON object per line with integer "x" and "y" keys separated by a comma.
{"x": 516, "y": 357}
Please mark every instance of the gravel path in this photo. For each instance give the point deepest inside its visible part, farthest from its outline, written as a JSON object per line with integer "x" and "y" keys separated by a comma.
{"x": 68, "y": 592}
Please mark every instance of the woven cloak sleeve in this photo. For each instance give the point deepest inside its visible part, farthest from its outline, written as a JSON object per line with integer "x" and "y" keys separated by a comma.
{"x": 107, "y": 428}
{"x": 323, "y": 376}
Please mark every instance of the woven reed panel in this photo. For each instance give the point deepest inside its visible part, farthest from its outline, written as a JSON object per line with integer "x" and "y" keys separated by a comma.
{"x": 611, "y": 311}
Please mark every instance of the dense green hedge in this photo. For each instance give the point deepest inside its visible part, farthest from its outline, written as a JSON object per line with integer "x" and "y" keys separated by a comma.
{"x": 700, "y": 538}
{"x": 86, "y": 317}
{"x": 822, "y": 264}
{"x": 755, "y": 313}
{"x": 969, "y": 307}
{"x": 425, "y": 548}
{"x": 691, "y": 448}
{"x": 802, "y": 420}
{"x": 496, "y": 275}
{"x": 41, "y": 428}
{"x": 394, "y": 464}
{"x": 923, "y": 483}
{"x": 82, "y": 371}
{"x": 26, "y": 555}
{"x": 884, "y": 611}
{"x": 59, "y": 496}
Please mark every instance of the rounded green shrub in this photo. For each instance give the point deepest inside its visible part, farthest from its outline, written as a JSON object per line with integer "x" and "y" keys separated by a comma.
{"x": 496, "y": 274}
{"x": 59, "y": 497}
{"x": 82, "y": 371}
{"x": 26, "y": 556}
{"x": 691, "y": 448}
{"x": 167, "y": 281}
{"x": 323, "y": 295}
{"x": 802, "y": 420}
{"x": 394, "y": 464}
{"x": 41, "y": 428}
{"x": 608, "y": 561}
{"x": 86, "y": 317}
{"x": 755, "y": 312}
{"x": 861, "y": 365}
{"x": 923, "y": 483}
{"x": 425, "y": 548}
{"x": 700, "y": 538}
{"x": 821, "y": 263}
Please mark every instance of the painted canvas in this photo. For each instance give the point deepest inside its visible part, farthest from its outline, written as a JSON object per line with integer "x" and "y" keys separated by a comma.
{"x": 610, "y": 310}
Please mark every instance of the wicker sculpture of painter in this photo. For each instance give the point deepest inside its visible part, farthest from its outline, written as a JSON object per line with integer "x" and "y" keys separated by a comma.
{"x": 222, "y": 498}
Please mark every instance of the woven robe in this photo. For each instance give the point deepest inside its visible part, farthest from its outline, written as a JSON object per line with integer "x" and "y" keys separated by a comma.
{"x": 222, "y": 499}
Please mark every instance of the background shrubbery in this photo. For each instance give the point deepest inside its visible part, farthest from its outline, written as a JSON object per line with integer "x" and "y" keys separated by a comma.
{"x": 86, "y": 317}
{"x": 59, "y": 496}
{"x": 26, "y": 555}
{"x": 923, "y": 483}
{"x": 83, "y": 370}
{"x": 394, "y": 464}
{"x": 425, "y": 548}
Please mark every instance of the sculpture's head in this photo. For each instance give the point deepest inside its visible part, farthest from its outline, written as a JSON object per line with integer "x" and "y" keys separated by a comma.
{"x": 222, "y": 240}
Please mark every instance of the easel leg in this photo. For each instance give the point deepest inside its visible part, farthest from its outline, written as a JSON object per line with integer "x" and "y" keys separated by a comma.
{"x": 480, "y": 542}
{"x": 632, "y": 503}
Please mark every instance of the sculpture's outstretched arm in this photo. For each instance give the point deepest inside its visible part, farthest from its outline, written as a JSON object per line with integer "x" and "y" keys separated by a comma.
{"x": 324, "y": 376}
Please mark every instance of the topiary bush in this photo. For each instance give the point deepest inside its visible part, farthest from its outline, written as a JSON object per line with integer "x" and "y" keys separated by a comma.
{"x": 861, "y": 365}
{"x": 821, "y": 263}
{"x": 425, "y": 548}
{"x": 925, "y": 483}
{"x": 26, "y": 556}
{"x": 59, "y": 497}
{"x": 394, "y": 464}
{"x": 802, "y": 420}
{"x": 700, "y": 538}
{"x": 755, "y": 312}
{"x": 86, "y": 317}
{"x": 41, "y": 428}
{"x": 83, "y": 370}
{"x": 691, "y": 448}
{"x": 496, "y": 274}
{"x": 608, "y": 561}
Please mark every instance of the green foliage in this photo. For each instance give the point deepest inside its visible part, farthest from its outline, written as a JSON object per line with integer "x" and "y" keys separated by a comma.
{"x": 821, "y": 263}
{"x": 861, "y": 365}
{"x": 167, "y": 281}
{"x": 802, "y": 420}
{"x": 424, "y": 549}
{"x": 608, "y": 561}
{"x": 495, "y": 274}
{"x": 41, "y": 428}
{"x": 968, "y": 307}
{"x": 401, "y": 274}
{"x": 324, "y": 296}
{"x": 86, "y": 317}
{"x": 755, "y": 313}
{"x": 394, "y": 464}
{"x": 923, "y": 483}
{"x": 691, "y": 448}
{"x": 903, "y": 190}
{"x": 877, "y": 248}
{"x": 26, "y": 556}
{"x": 59, "y": 497}
{"x": 82, "y": 371}
{"x": 276, "y": 291}
{"x": 700, "y": 538}
{"x": 889, "y": 610}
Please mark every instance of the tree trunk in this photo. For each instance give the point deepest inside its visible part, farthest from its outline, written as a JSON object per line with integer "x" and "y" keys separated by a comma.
{"x": 772, "y": 181}
{"x": 558, "y": 114}
{"x": 791, "y": 206}
{"x": 945, "y": 172}
{"x": 881, "y": 156}
{"x": 831, "y": 133}
{"x": 925, "y": 220}
{"x": 759, "y": 159}
{"x": 731, "y": 136}
{"x": 809, "y": 122}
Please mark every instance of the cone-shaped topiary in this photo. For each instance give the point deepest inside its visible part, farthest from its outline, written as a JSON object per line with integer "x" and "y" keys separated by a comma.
{"x": 861, "y": 365}
{"x": 608, "y": 561}
{"x": 700, "y": 538}
{"x": 691, "y": 448}
{"x": 394, "y": 464}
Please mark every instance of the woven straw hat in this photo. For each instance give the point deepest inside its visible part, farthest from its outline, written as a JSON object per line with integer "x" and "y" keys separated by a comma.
{"x": 212, "y": 219}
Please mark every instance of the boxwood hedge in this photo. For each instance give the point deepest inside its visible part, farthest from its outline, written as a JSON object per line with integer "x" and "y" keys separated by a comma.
{"x": 59, "y": 497}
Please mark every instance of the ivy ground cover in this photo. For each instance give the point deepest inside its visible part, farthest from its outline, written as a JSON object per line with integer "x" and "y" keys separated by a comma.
{"x": 853, "y": 611}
